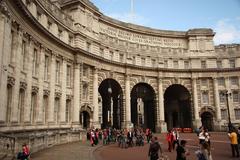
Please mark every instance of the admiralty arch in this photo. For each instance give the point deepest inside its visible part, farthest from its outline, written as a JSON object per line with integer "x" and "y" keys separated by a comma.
{"x": 66, "y": 67}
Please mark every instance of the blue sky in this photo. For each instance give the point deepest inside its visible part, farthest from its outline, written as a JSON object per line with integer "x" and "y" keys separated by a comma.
{"x": 223, "y": 16}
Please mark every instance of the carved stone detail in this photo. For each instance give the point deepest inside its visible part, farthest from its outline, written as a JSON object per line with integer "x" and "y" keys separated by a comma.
{"x": 46, "y": 92}
{"x": 11, "y": 81}
{"x": 23, "y": 85}
{"x": 35, "y": 89}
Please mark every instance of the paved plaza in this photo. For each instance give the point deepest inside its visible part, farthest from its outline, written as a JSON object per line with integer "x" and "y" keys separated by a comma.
{"x": 83, "y": 151}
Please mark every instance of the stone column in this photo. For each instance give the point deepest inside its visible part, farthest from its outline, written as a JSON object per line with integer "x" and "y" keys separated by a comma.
{"x": 161, "y": 119}
{"x": 5, "y": 50}
{"x": 217, "y": 105}
{"x": 39, "y": 109}
{"x": 29, "y": 57}
{"x": 76, "y": 91}
{"x": 52, "y": 89}
{"x": 197, "y": 122}
{"x": 96, "y": 122}
{"x": 17, "y": 51}
{"x": 63, "y": 98}
{"x": 230, "y": 103}
{"x": 128, "y": 102}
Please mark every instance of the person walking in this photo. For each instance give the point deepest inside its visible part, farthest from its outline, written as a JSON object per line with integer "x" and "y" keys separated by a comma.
{"x": 169, "y": 140}
{"x": 155, "y": 149}
{"x": 234, "y": 143}
{"x": 205, "y": 152}
{"x": 182, "y": 153}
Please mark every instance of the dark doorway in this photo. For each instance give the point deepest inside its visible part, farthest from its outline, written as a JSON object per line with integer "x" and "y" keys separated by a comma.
{"x": 143, "y": 106}
{"x": 177, "y": 107}
{"x": 112, "y": 103}
{"x": 85, "y": 119}
{"x": 207, "y": 120}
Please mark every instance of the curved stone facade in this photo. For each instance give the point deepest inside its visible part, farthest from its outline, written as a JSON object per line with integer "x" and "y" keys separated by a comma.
{"x": 54, "y": 57}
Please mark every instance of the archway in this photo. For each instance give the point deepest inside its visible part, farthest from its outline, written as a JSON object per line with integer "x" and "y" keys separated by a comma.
{"x": 112, "y": 104}
{"x": 85, "y": 119}
{"x": 177, "y": 107}
{"x": 143, "y": 106}
{"x": 207, "y": 120}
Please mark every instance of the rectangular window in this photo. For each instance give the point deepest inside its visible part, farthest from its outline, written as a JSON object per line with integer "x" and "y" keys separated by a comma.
{"x": 143, "y": 61}
{"x": 175, "y": 64}
{"x": 224, "y": 114}
{"x": 35, "y": 63}
{"x": 205, "y": 98}
{"x": 45, "y": 107}
{"x": 186, "y": 64}
{"x": 57, "y": 72}
{"x": 46, "y": 67}
{"x": 237, "y": 114}
{"x": 232, "y": 63}
{"x": 235, "y": 96}
{"x": 12, "y": 46}
{"x": 222, "y": 97}
{"x": 165, "y": 64}
{"x": 234, "y": 81}
{"x": 221, "y": 81}
{"x": 68, "y": 75}
{"x": 56, "y": 109}
{"x": 219, "y": 64}
{"x": 203, "y": 64}
{"x": 121, "y": 58}
{"x": 88, "y": 46}
{"x": 85, "y": 71}
{"x": 23, "y": 54}
{"x": 204, "y": 82}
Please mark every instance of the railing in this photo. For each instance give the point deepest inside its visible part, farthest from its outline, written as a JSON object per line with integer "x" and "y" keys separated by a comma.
{"x": 57, "y": 13}
{"x": 7, "y": 145}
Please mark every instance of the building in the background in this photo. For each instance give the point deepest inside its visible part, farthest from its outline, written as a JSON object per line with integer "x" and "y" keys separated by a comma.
{"x": 66, "y": 67}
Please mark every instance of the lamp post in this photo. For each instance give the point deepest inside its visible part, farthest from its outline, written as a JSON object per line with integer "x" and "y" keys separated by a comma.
{"x": 227, "y": 95}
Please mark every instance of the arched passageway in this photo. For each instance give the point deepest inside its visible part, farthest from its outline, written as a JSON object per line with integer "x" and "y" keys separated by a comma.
{"x": 143, "y": 106}
{"x": 112, "y": 103}
{"x": 207, "y": 120}
{"x": 85, "y": 119}
{"x": 177, "y": 107}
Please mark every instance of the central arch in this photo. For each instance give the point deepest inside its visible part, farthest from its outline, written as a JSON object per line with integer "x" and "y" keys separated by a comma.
{"x": 112, "y": 103}
{"x": 143, "y": 106}
{"x": 177, "y": 106}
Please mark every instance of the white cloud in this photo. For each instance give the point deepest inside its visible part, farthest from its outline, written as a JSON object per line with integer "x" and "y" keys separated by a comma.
{"x": 129, "y": 18}
{"x": 227, "y": 31}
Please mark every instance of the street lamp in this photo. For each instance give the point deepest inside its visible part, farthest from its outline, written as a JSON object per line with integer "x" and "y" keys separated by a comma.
{"x": 228, "y": 94}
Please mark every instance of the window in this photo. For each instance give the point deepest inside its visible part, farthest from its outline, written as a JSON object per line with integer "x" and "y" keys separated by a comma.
{"x": 21, "y": 104}
{"x": 205, "y": 97}
{"x": 222, "y": 97}
{"x": 101, "y": 52}
{"x": 203, "y": 64}
{"x": 35, "y": 63}
{"x": 224, "y": 114}
{"x": 23, "y": 54}
{"x": 45, "y": 107}
{"x": 219, "y": 64}
{"x": 9, "y": 102}
{"x": 38, "y": 16}
{"x": 70, "y": 40}
{"x": 88, "y": 46}
{"x": 121, "y": 58}
{"x": 68, "y": 107}
{"x": 165, "y": 64}
{"x": 85, "y": 91}
{"x": 57, "y": 72}
{"x": 175, "y": 64}
{"x": 56, "y": 109}
{"x": 143, "y": 61}
{"x": 111, "y": 55}
{"x": 85, "y": 71}
{"x": 204, "y": 82}
{"x": 68, "y": 75}
{"x": 237, "y": 113}
{"x": 232, "y": 63}
{"x": 221, "y": 81}
{"x": 46, "y": 67}
{"x": 234, "y": 80}
{"x": 235, "y": 96}
{"x": 60, "y": 33}
{"x": 154, "y": 62}
{"x": 12, "y": 46}
{"x": 186, "y": 64}
{"x": 33, "y": 107}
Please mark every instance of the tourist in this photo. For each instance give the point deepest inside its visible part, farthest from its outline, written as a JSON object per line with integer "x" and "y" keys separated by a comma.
{"x": 204, "y": 136}
{"x": 169, "y": 140}
{"x": 24, "y": 155}
{"x": 238, "y": 136}
{"x": 175, "y": 137}
{"x": 148, "y": 134}
{"x": 154, "y": 149}
{"x": 92, "y": 138}
{"x": 182, "y": 153}
{"x": 234, "y": 143}
{"x": 205, "y": 152}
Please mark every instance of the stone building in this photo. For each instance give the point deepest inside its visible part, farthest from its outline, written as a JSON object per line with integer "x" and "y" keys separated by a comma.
{"x": 66, "y": 67}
